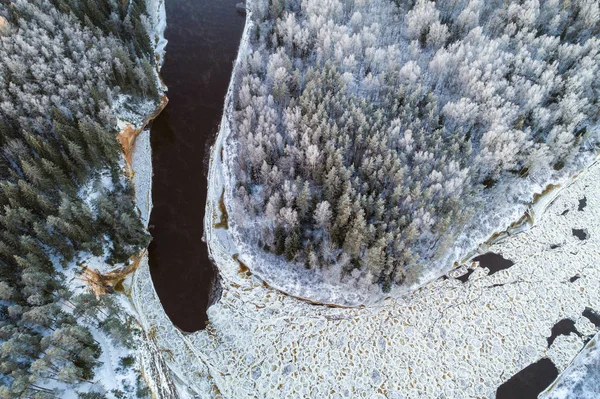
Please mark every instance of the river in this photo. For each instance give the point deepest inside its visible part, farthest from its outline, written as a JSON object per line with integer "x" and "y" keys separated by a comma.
{"x": 203, "y": 40}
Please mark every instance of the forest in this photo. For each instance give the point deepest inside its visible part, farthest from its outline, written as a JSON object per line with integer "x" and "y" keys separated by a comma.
{"x": 373, "y": 136}
{"x": 63, "y": 190}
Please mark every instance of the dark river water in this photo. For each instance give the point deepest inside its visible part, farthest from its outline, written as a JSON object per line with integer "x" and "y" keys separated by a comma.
{"x": 529, "y": 382}
{"x": 203, "y": 37}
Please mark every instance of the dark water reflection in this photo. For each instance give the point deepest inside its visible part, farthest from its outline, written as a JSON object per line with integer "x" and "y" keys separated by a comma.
{"x": 203, "y": 40}
{"x": 529, "y": 382}
{"x": 492, "y": 261}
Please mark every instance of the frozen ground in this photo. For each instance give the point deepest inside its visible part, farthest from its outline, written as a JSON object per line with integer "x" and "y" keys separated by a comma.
{"x": 447, "y": 339}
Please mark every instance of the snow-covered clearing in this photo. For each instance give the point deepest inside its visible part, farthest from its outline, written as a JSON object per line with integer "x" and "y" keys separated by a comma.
{"x": 110, "y": 376}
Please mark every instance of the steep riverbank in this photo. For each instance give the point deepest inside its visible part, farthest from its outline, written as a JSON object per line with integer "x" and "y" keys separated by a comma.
{"x": 111, "y": 377}
{"x": 135, "y": 141}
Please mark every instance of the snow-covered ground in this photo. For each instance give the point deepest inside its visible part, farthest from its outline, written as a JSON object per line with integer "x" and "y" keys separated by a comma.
{"x": 142, "y": 178}
{"x": 110, "y": 377}
{"x": 156, "y": 26}
{"x": 447, "y": 339}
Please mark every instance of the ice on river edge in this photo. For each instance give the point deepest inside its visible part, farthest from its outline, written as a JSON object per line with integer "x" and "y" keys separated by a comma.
{"x": 447, "y": 338}
{"x": 582, "y": 379}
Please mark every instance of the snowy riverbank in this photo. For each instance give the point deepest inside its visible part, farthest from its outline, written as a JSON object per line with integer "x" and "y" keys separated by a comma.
{"x": 476, "y": 334}
{"x": 262, "y": 343}
{"x": 135, "y": 140}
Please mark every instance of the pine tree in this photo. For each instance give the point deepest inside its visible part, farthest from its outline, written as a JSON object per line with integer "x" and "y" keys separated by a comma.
{"x": 292, "y": 245}
{"x": 303, "y": 201}
{"x": 354, "y": 242}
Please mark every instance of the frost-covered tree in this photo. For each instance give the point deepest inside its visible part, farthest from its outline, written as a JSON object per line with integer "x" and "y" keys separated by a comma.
{"x": 399, "y": 123}
{"x": 62, "y": 187}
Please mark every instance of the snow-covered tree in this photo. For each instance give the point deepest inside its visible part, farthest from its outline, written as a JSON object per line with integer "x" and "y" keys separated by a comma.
{"x": 397, "y": 120}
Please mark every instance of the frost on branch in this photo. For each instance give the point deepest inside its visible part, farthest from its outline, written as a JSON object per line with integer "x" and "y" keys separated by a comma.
{"x": 387, "y": 138}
